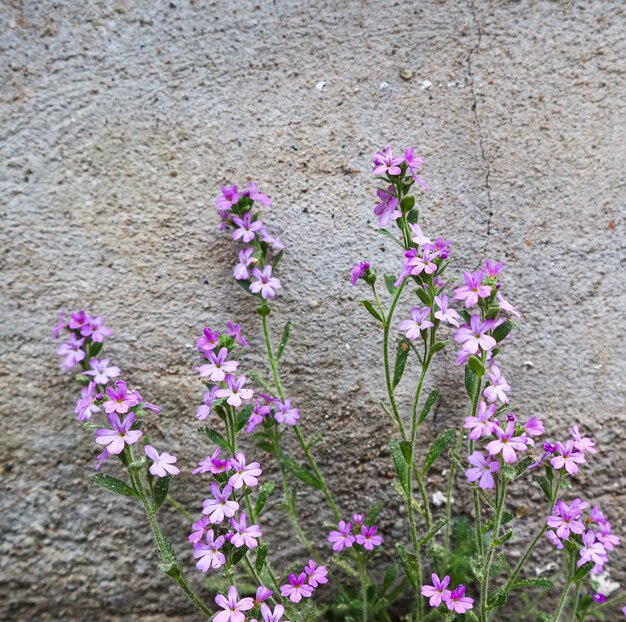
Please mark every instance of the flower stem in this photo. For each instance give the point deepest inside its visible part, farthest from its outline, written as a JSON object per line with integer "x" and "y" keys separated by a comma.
{"x": 364, "y": 582}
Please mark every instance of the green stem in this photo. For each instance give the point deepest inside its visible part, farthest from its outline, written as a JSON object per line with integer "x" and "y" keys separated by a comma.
{"x": 364, "y": 583}
{"x": 576, "y": 599}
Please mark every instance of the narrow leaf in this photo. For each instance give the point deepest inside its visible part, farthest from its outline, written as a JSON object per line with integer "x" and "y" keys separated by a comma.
{"x": 501, "y": 539}
{"x": 440, "y": 345}
{"x": 399, "y": 462}
{"x": 299, "y": 471}
{"x": 540, "y": 582}
{"x": 214, "y": 436}
{"x": 401, "y": 356}
{"x": 500, "y": 332}
{"x": 407, "y": 560}
{"x": 243, "y": 416}
{"x": 114, "y": 485}
{"x": 264, "y": 492}
{"x": 389, "y": 283}
{"x": 437, "y": 526}
{"x": 438, "y": 446}
{"x": 476, "y": 366}
{"x": 159, "y": 493}
{"x": 423, "y": 296}
{"x": 583, "y": 571}
{"x": 471, "y": 382}
{"x": 432, "y": 398}
{"x": 283, "y": 340}
{"x": 368, "y": 305}
{"x": 261, "y": 554}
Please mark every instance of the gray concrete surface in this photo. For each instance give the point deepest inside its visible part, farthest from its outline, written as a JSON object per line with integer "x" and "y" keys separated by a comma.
{"x": 119, "y": 122}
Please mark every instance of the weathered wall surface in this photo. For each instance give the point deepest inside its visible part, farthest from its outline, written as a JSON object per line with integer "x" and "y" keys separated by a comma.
{"x": 119, "y": 122}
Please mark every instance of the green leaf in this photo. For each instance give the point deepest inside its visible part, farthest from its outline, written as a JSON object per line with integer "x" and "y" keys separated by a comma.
{"x": 402, "y": 354}
{"x": 159, "y": 493}
{"x": 243, "y": 416}
{"x": 368, "y": 305}
{"x": 390, "y": 576}
{"x": 546, "y": 486}
{"x": 432, "y": 398}
{"x": 114, "y": 485}
{"x": 137, "y": 465}
{"x": 399, "y": 462}
{"x": 94, "y": 348}
{"x": 215, "y": 436}
{"x": 508, "y": 472}
{"x": 507, "y": 517}
{"x": 476, "y": 366}
{"x": 439, "y": 345}
{"x": 436, "y": 527}
{"x": 583, "y": 571}
{"x": 523, "y": 465}
{"x": 423, "y": 296}
{"x": 344, "y": 565}
{"x": 500, "y": 332}
{"x": 261, "y": 554}
{"x": 407, "y": 203}
{"x": 389, "y": 283}
{"x": 238, "y": 555}
{"x": 501, "y": 539}
{"x": 540, "y": 582}
{"x": 264, "y": 492}
{"x": 283, "y": 340}
{"x": 413, "y": 216}
{"x": 498, "y": 599}
{"x": 407, "y": 451}
{"x": 391, "y": 236}
{"x": 299, "y": 471}
{"x": 438, "y": 446}
{"x": 471, "y": 382}
{"x": 408, "y": 562}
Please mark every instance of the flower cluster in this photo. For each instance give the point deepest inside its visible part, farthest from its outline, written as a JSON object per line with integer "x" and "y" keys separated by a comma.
{"x": 591, "y": 537}
{"x": 438, "y": 594}
{"x": 364, "y": 535}
{"x": 87, "y": 335}
{"x": 568, "y": 454}
{"x": 257, "y": 258}
{"x": 303, "y": 584}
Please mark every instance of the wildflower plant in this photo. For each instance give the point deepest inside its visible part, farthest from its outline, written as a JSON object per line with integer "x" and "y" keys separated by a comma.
{"x": 451, "y": 567}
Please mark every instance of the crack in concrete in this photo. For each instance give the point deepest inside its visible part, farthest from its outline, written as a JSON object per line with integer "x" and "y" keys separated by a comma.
{"x": 477, "y": 118}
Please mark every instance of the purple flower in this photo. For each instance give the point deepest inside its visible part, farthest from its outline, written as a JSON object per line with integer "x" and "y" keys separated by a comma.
{"x": 233, "y": 608}
{"x": 162, "y": 464}
{"x": 413, "y": 328}
{"x": 71, "y": 352}
{"x": 418, "y": 236}
{"x": 220, "y": 507}
{"x": 437, "y": 592}
{"x": 384, "y": 162}
{"x": 444, "y": 314}
{"x": 247, "y": 228}
{"x": 245, "y": 259}
{"x": 387, "y": 207}
{"x": 266, "y": 284}
{"x": 93, "y": 328}
{"x": 414, "y": 163}
{"x": 212, "y": 464}
{"x": 78, "y": 320}
{"x": 272, "y": 241}
{"x": 199, "y": 529}
{"x": 605, "y": 536}
{"x": 317, "y": 574}
{"x": 497, "y": 386}
{"x": 358, "y": 271}
{"x": 368, "y": 538}
{"x": 598, "y": 598}
{"x": 85, "y": 407}
{"x": 492, "y": 269}
{"x": 61, "y": 324}
{"x": 342, "y": 538}
{"x": 580, "y": 443}
{"x": 458, "y": 602}
{"x": 483, "y": 470}
{"x": 255, "y": 195}
{"x": 533, "y": 427}
{"x": 565, "y": 519}
{"x": 102, "y": 371}
{"x": 262, "y": 594}
{"x": 119, "y": 435}
{"x": 228, "y": 198}
{"x": 234, "y": 391}
{"x": 482, "y": 425}
{"x": 260, "y": 411}
{"x": 473, "y": 289}
{"x": 120, "y": 399}
{"x": 208, "y": 554}
{"x": 506, "y": 306}
{"x": 217, "y": 367}
{"x": 297, "y": 588}
{"x": 208, "y": 341}
{"x": 358, "y": 520}
{"x": 474, "y": 337}
{"x": 556, "y": 541}
{"x": 245, "y": 475}
{"x": 204, "y": 410}
{"x": 507, "y": 443}
{"x": 244, "y": 535}
{"x": 567, "y": 457}
{"x": 275, "y": 616}
{"x": 100, "y": 458}
{"x": 286, "y": 414}
{"x": 592, "y": 551}
{"x": 234, "y": 331}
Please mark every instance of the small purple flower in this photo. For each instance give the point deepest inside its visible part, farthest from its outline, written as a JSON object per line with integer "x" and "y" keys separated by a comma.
{"x": 232, "y": 606}
{"x": 483, "y": 470}
{"x": 162, "y": 464}
{"x": 272, "y": 241}
{"x": 568, "y": 457}
{"x": 101, "y": 371}
{"x": 213, "y": 464}
{"x": 78, "y": 320}
{"x": 246, "y": 259}
{"x": 387, "y": 207}
{"x": 342, "y": 538}
{"x": 580, "y": 443}
{"x": 474, "y": 337}
{"x": 317, "y": 574}
{"x": 368, "y": 538}
{"x": 265, "y": 283}
{"x": 498, "y": 386}
{"x": 234, "y": 391}
{"x": 384, "y": 162}
{"x": 286, "y": 414}
{"x": 228, "y": 198}
{"x": 255, "y": 195}
{"x": 71, "y": 352}
{"x": 598, "y": 598}
{"x": 507, "y": 443}
{"x": 220, "y": 507}
{"x": 199, "y": 529}
{"x": 245, "y": 474}
{"x": 272, "y": 616}
{"x": 591, "y": 550}
{"x": 473, "y": 289}
{"x": 481, "y": 425}
{"x": 556, "y": 541}
{"x": 358, "y": 271}
{"x": 262, "y": 594}
{"x": 609, "y": 540}
{"x": 413, "y": 328}
{"x": 418, "y": 236}
{"x": 120, "y": 399}
{"x": 358, "y": 520}
{"x": 297, "y": 588}
{"x": 94, "y": 329}
{"x": 244, "y": 535}
{"x": 507, "y": 306}
{"x": 492, "y": 269}
{"x": 208, "y": 555}
{"x": 204, "y": 410}
{"x": 61, "y": 324}
{"x": 85, "y": 407}
{"x": 444, "y": 314}
{"x": 217, "y": 367}
{"x": 119, "y": 435}
{"x": 565, "y": 519}
{"x": 100, "y": 458}
{"x": 534, "y": 427}
{"x": 458, "y": 602}
{"x": 437, "y": 592}
{"x": 246, "y": 228}
{"x": 209, "y": 340}
{"x": 414, "y": 164}
{"x": 234, "y": 331}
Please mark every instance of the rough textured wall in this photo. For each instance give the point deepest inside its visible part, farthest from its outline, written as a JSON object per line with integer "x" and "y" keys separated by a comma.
{"x": 119, "y": 122}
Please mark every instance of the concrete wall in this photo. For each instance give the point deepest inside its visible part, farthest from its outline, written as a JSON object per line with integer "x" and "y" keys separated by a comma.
{"x": 119, "y": 122}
